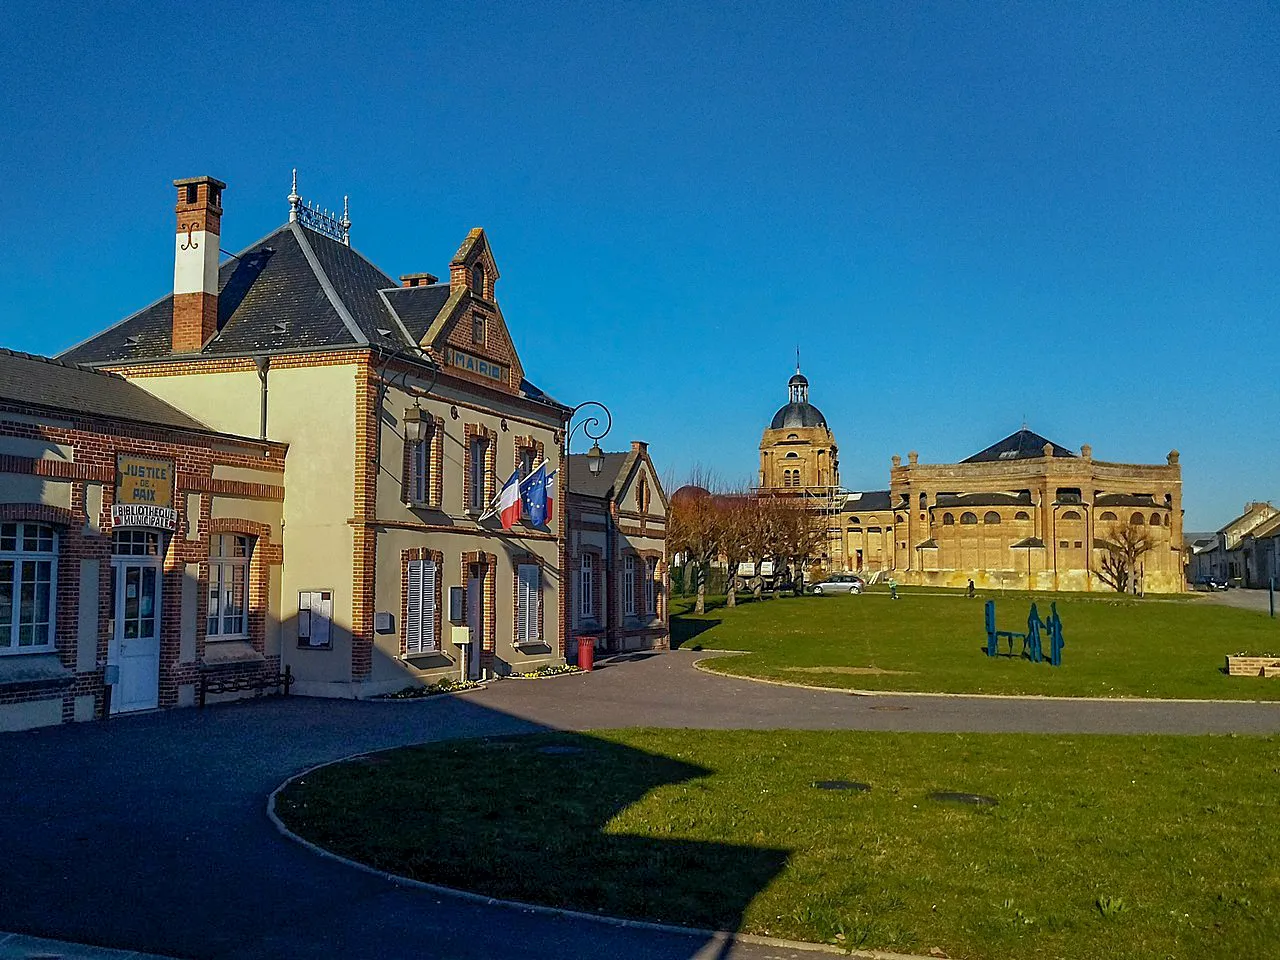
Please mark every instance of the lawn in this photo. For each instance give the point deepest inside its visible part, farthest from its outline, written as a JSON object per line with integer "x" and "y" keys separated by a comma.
{"x": 1115, "y": 647}
{"x": 1118, "y": 847}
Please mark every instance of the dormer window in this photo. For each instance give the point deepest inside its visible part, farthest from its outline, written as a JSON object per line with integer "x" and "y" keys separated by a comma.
{"x": 477, "y": 279}
{"x": 477, "y": 329}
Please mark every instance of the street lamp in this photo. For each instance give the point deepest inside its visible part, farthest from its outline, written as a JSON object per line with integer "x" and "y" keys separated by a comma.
{"x": 589, "y": 425}
{"x": 414, "y": 425}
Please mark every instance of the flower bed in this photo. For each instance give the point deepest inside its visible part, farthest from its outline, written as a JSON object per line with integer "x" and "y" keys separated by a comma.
{"x": 1245, "y": 665}
{"x": 550, "y": 670}
{"x": 447, "y": 685}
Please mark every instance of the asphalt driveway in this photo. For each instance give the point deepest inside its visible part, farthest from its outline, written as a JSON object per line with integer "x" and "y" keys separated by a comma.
{"x": 149, "y": 832}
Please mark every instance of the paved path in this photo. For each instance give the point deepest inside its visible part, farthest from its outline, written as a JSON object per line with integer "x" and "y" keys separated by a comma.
{"x": 149, "y": 833}
{"x": 1239, "y": 597}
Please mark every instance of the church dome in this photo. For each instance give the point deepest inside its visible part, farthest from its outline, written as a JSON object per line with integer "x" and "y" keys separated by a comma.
{"x": 803, "y": 414}
{"x": 798, "y": 412}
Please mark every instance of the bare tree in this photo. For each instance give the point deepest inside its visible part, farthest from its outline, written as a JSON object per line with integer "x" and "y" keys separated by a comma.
{"x": 797, "y": 534}
{"x": 1125, "y": 543}
{"x": 694, "y": 528}
{"x": 737, "y": 518}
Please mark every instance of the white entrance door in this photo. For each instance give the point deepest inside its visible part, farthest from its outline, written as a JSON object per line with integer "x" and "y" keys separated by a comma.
{"x": 135, "y": 646}
{"x": 475, "y": 619}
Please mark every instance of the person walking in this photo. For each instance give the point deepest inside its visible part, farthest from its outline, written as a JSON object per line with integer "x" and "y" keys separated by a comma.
{"x": 970, "y": 589}
{"x": 893, "y": 589}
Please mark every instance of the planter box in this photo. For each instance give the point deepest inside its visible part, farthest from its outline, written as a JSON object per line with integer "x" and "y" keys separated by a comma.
{"x": 1253, "y": 666}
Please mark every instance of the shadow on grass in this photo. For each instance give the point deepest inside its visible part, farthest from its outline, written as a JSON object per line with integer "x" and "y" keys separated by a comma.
{"x": 540, "y": 818}
{"x": 684, "y": 630}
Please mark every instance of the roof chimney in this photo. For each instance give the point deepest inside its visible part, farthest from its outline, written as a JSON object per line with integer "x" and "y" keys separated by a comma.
{"x": 418, "y": 279}
{"x": 195, "y": 263}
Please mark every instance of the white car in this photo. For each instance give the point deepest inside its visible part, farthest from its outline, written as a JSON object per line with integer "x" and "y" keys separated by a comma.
{"x": 839, "y": 583}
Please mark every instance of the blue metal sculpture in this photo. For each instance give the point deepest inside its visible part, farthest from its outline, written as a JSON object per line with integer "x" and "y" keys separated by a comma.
{"x": 1032, "y": 643}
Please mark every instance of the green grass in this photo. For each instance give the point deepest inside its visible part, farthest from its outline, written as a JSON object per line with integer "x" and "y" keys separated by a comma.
{"x": 1118, "y": 847}
{"x": 1115, "y": 647}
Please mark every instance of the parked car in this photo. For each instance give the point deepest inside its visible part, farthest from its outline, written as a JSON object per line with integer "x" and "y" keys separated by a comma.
{"x": 839, "y": 583}
{"x": 1212, "y": 583}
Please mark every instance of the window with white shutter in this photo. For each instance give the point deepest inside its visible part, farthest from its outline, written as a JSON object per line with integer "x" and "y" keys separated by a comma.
{"x": 528, "y": 603}
{"x": 586, "y": 581}
{"x": 420, "y": 608}
{"x": 650, "y": 587}
{"x": 629, "y": 585}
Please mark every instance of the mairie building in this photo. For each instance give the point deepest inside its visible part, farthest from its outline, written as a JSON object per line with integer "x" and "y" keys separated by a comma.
{"x": 278, "y": 473}
{"x": 1023, "y": 513}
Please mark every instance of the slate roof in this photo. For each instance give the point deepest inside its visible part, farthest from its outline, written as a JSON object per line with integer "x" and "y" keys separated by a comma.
{"x": 797, "y": 415}
{"x": 582, "y": 481}
{"x": 1125, "y": 500}
{"x": 984, "y": 499}
{"x": 1022, "y": 445}
{"x": 56, "y": 385}
{"x": 295, "y": 289}
{"x": 867, "y": 500}
{"x": 418, "y": 306}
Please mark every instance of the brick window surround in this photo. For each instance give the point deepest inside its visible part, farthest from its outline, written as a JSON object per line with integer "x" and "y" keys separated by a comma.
{"x": 264, "y": 555}
{"x": 433, "y": 438}
{"x": 488, "y": 603}
{"x": 421, "y": 553}
{"x": 471, "y": 432}
{"x": 593, "y": 617}
{"x": 518, "y": 560}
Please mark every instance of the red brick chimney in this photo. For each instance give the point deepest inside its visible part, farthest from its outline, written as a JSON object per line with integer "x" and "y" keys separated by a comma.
{"x": 195, "y": 264}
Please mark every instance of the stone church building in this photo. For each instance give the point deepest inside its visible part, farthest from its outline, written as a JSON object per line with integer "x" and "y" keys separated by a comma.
{"x": 1024, "y": 513}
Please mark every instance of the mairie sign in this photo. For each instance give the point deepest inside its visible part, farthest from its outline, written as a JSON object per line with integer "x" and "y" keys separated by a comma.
{"x": 466, "y": 361}
{"x": 140, "y": 515}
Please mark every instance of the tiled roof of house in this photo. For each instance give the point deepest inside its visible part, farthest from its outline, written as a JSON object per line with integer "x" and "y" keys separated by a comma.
{"x": 984, "y": 499}
{"x": 57, "y": 385}
{"x": 583, "y": 481}
{"x": 867, "y": 500}
{"x": 1023, "y": 445}
{"x": 295, "y": 289}
{"x": 1125, "y": 500}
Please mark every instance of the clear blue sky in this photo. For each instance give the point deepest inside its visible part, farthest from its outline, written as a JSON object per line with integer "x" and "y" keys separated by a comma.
{"x": 965, "y": 216}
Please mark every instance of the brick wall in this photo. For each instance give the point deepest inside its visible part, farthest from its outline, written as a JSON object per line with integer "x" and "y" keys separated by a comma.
{"x": 96, "y": 444}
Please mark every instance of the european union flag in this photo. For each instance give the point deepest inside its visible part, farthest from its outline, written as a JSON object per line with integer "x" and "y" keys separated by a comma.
{"x": 535, "y": 493}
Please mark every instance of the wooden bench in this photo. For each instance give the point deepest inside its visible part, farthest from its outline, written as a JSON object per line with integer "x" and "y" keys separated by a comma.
{"x": 259, "y": 681}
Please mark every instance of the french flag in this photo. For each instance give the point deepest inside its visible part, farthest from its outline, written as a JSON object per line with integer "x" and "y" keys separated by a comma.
{"x": 506, "y": 506}
{"x": 551, "y": 492}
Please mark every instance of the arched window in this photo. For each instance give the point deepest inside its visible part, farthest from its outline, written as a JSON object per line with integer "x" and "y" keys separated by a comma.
{"x": 991, "y": 517}
{"x": 1108, "y": 515}
{"x": 477, "y": 279}
{"x": 792, "y": 456}
{"x": 1137, "y": 520}
{"x": 948, "y": 519}
{"x": 1155, "y": 519}
{"x": 1071, "y": 515}
{"x": 968, "y": 519}
{"x": 1022, "y": 515}
{"x": 793, "y": 436}
{"x": 854, "y": 520}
